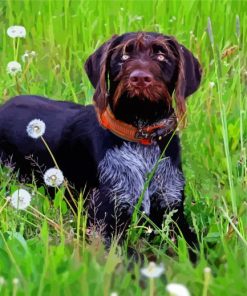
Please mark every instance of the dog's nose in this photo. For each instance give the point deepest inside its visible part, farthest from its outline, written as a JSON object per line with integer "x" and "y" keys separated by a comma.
{"x": 139, "y": 78}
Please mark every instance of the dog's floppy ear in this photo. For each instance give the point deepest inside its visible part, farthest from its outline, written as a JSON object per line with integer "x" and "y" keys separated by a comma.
{"x": 96, "y": 69}
{"x": 189, "y": 76}
{"x": 190, "y": 73}
{"x": 94, "y": 62}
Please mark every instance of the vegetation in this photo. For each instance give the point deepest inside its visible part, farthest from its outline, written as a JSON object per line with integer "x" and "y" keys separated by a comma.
{"x": 43, "y": 249}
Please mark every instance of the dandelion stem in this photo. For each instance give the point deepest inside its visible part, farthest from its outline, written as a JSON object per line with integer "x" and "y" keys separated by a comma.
{"x": 14, "y": 48}
{"x": 17, "y": 85}
{"x": 51, "y": 222}
{"x": 207, "y": 278}
{"x": 152, "y": 287}
{"x": 66, "y": 184}
{"x": 17, "y": 48}
{"x": 51, "y": 154}
{"x": 24, "y": 75}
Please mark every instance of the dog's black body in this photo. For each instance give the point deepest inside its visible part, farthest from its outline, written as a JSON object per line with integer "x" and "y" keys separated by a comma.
{"x": 143, "y": 70}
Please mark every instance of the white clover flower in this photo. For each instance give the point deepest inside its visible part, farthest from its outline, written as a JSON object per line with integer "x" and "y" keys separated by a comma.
{"x": 177, "y": 290}
{"x": 53, "y": 177}
{"x": 13, "y": 68}
{"x": 211, "y": 84}
{"x": 36, "y": 128}
{"x": 16, "y": 32}
{"x": 20, "y": 199}
{"x": 149, "y": 230}
{"x": 153, "y": 270}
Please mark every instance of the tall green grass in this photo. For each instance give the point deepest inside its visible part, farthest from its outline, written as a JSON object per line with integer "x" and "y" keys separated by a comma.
{"x": 44, "y": 248}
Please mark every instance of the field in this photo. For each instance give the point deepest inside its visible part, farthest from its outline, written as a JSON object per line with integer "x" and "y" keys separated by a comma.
{"x": 43, "y": 249}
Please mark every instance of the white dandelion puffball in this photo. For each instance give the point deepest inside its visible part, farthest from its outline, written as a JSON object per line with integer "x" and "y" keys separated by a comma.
{"x": 2, "y": 281}
{"x": 153, "y": 270}
{"x": 13, "y": 68}
{"x": 15, "y": 281}
{"x": 36, "y": 128}
{"x": 28, "y": 56}
{"x": 20, "y": 199}
{"x": 16, "y": 32}
{"x": 53, "y": 177}
{"x": 211, "y": 84}
{"x": 177, "y": 290}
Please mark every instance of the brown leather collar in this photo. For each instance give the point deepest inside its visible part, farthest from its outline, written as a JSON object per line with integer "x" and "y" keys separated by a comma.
{"x": 146, "y": 135}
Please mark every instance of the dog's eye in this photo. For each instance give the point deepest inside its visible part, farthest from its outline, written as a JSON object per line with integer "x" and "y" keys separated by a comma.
{"x": 161, "y": 57}
{"x": 125, "y": 57}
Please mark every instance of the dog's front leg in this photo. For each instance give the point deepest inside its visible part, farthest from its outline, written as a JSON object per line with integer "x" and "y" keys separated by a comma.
{"x": 167, "y": 194}
{"x": 122, "y": 176}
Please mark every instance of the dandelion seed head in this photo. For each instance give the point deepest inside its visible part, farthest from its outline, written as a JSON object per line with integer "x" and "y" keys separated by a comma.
{"x": 153, "y": 270}
{"x": 15, "y": 281}
{"x": 53, "y": 177}
{"x": 13, "y": 68}
{"x": 36, "y": 128}
{"x": 207, "y": 270}
{"x": 138, "y": 18}
{"x": 20, "y": 199}
{"x": 2, "y": 281}
{"x": 28, "y": 56}
{"x": 8, "y": 198}
{"x": 25, "y": 57}
{"x": 16, "y": 32}
{"x": 177, "y": 290}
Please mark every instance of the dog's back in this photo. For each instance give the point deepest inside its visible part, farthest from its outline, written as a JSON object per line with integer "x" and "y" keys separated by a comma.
{"x": 72, "y": 132}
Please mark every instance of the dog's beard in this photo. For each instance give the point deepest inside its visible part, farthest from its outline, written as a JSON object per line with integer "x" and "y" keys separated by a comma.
{"x": 155, "y": 93}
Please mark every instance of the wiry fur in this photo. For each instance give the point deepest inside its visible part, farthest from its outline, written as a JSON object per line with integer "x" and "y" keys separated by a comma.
{"x": 125, "y": 171}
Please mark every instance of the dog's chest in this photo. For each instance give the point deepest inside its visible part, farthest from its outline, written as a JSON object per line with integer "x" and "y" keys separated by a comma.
{"x": 125, "y": 171}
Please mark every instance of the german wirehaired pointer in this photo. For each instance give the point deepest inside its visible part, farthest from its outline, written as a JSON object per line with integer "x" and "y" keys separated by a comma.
{"x": 113, "y": 146}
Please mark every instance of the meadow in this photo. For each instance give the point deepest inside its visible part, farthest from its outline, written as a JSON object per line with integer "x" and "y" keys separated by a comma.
{"x": 43, "y": 249}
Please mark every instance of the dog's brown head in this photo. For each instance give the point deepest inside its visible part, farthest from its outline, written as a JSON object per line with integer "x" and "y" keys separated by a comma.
{"x": 137, "y": 74}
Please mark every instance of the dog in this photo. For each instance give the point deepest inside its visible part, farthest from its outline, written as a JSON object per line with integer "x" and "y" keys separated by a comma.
{"x": 112, "y": 148}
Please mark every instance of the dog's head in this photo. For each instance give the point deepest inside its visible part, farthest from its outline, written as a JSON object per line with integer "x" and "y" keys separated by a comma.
{"x": 144, "y": 67}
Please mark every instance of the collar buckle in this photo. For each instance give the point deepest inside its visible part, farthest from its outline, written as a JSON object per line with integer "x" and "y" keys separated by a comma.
{"x": 141, "y": 134}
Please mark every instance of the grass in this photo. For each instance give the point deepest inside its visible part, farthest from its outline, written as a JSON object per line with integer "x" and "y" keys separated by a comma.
{"x": 43, "y": 250}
